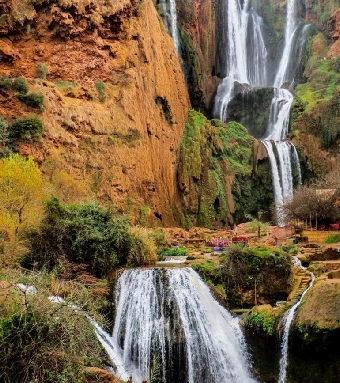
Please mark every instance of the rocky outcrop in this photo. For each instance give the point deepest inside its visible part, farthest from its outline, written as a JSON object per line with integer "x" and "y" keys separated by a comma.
{"x": 219, "y": 174}
{"x": 335, "y": 25}
{"x": 197, "y": 20}
{"x": 115, "y": 99}
{"x": 318, "y": 318}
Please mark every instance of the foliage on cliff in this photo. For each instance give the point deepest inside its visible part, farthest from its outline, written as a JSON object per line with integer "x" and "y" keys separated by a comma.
{"x": 315, "y": 115}
{"x": 212, "y": 155}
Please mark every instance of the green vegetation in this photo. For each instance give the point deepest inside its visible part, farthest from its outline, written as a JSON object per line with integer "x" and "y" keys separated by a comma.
{"x": 29, "y": 128}
{"x": 192, "y": 67}
{"x": 262, "y": 321}
{"x": 85, "y": 234}
{"x": 3, "y": 131}
{"x": 20, "y": 84}
{"x": 42, "y": 71}
{"x": 332, "y": 238}
{"x": 5, "y": 82}
{"x": 127, "y": 137}
{"x": 212, "y": 154}
{"x": 42, "y": 341}
{"x": 317, "y": 104}
{"x": 100, "y": 86}
{"x": 246, "y": 270}
{"x": 32, "y": 99}
{"x": 174, "y": 252}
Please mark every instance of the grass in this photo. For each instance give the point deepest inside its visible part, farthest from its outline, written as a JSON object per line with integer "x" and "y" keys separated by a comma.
{"x": 334, "y": 238}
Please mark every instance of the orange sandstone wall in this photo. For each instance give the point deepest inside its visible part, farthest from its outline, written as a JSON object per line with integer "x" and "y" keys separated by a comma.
{"x": 122, "y": 147}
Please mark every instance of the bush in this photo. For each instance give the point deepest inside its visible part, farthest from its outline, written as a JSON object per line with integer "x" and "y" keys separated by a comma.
{"x": 5, "y": 82}
{"x": 100, "y": 86}
{"x": 83, "y": 234}
{"x": 42, "y": 71}
{"x": 262, "y": 322}
{"x": 143, "y": 250}
{"x": 29, "y": 128}
{"x": 20, "y": 84}
{"x": 3, "y": 130}
{"x": 33, "y": 99}
{"x": 41, "y": 341}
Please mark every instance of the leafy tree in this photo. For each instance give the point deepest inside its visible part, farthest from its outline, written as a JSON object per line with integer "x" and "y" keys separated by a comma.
{"x": 22, "y": 192}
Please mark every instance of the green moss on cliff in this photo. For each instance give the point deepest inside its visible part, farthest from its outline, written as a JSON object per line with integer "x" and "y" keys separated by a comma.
{"x": 192, "y": 68}
{"x": 316, "y": 108}
{"x": 214, "y": 156}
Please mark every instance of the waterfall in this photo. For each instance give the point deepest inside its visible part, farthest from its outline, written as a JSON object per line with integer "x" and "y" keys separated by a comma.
{"x": 168, "y": 11}
{"x": 246, "y": 64}
{"x": 279, "y": 115}
{"x": 278, "y": 124}
{"x": 174, "y": 29}
{"x": 286, "y": 327}
{"x": 246, "y": 54}
{"x": 171, "y": 314}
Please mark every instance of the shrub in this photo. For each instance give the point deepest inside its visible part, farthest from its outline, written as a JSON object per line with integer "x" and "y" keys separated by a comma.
{"x": 3, "y": 130}
{"x": 100, "y": 86}
{"x": 83, "y": 234}
{"x": 262, "y": 322}
{"x": 20, "y": 84}
{"x": 42, "y": 71}
{"x": 241, "y": 268}
{"x": 41, "y": 341}
{"x": 29, "y": 128}
{"x": 32, "y": 99}
{"x": 5, "y": 82}
{"x": 143, "y": 249}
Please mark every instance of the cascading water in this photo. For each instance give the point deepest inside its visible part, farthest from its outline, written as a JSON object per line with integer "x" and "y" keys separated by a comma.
{"x": 279, "y": 119}
{"x": 286, "y": 327}
{"x": 174, "y": 29}
{"x": 171, "y": 314}
{"x": 169, "y": 15}
{"x": 246, "y": 64}
{"x": 246, "y": 53}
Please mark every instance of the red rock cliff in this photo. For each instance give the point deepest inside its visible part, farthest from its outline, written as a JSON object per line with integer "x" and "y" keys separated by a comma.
{"x": 119, "y": 141}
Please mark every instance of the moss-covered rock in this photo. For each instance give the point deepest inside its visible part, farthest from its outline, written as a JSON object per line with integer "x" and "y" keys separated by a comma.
{"x": 315, "y": 118}
{"x": 319, "y": 314}
{"x": 212, "y": 155}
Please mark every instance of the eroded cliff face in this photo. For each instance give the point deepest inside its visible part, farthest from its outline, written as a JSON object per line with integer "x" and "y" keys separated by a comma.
{"x": 197, "y": 27}
{"x": 115, "y": 100}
